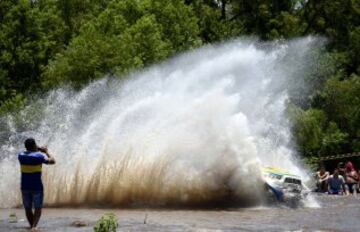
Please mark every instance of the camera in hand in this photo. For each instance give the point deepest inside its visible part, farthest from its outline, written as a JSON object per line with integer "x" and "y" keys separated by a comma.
{"x": 42, "y": 149}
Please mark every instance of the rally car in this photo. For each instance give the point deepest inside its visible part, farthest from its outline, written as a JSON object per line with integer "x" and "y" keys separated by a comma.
{"x": 283, "y": 186}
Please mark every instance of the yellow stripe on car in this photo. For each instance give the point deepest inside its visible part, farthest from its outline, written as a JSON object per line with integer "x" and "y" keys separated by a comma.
{"x": 31, "y": 168}
{"x": 278, "y": 171}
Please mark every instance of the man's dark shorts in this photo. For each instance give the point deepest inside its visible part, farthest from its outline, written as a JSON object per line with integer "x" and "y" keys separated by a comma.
{"x": 32, "y": 198}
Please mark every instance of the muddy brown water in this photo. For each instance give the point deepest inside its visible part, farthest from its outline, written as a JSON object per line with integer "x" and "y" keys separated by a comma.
{"x": 337, "y": 213}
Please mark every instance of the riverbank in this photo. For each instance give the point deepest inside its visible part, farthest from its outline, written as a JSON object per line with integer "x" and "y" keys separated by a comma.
{"x": 337, "y": 213}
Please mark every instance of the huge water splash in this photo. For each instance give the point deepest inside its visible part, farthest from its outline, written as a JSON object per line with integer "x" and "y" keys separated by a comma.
{"x": 194, "y": 130}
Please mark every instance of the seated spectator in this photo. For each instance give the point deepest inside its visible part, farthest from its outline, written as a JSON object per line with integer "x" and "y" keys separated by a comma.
{"x": 351, "y": 179}
{"x": 321, "y": 179}
{"x": 336, "y": 183}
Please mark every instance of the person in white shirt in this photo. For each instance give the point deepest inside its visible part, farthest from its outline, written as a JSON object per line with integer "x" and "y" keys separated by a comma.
{"x": 322, "y": 177}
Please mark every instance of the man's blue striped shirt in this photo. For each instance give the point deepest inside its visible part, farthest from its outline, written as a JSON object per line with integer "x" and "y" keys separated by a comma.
{"x": 31, "y": 167}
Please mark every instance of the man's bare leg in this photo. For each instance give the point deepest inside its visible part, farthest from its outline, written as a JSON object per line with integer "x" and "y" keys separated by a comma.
{"x": 29, "y": 216}
{"x": 37, "y": 215}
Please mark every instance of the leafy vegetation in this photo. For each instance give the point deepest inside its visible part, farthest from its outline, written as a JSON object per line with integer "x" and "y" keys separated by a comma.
{"x": 107, "y": 223}
{"x": 48, "y": 43}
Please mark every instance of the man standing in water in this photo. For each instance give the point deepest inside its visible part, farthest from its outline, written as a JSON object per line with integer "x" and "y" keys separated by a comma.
{"x": 32, "y": 191}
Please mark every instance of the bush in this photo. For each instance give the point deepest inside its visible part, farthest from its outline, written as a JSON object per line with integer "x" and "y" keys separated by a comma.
{"x": 107, "y": 223}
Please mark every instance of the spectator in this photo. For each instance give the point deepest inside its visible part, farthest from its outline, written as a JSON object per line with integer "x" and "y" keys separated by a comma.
{"x": 321, "y": 179}
{"x": 351, "y": 179}
{"x": 336, "y": 183}
{"x": 32, "y": 188}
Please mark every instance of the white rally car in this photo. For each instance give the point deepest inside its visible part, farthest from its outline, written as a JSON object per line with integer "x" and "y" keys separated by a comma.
{"x": 283, "y": 186}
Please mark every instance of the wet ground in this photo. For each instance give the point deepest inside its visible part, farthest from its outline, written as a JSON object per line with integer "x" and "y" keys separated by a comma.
{"x": 337, "y": 213}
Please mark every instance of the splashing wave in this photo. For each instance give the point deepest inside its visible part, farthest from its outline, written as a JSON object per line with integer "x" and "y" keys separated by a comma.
{"x": 194, "y": 130}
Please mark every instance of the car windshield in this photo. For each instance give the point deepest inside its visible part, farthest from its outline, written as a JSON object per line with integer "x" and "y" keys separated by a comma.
{"x": 292, "y": 181}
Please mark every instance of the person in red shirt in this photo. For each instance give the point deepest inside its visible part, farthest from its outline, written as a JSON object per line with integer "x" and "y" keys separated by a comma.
{"x": 351, "y": 179}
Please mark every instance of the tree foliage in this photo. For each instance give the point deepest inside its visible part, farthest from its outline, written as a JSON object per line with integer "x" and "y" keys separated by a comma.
{"x": 126, "y": 35}
{"x": 315, "y": 133}
{"x": 48, "y": 43}
{"x": 30, "y": 34}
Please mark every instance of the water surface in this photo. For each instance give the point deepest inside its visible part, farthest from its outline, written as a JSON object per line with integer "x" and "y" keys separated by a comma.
{"x": 336, "y": 214}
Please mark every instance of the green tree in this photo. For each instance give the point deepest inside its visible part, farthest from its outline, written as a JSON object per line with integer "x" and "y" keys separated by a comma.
{"x": 333, "y": 140}
{"x": 342, "y": 105}
{"x": 48, "y": 43}
{"x": 314, "y": 134}
{"x": 30, "y": 34}
{"x": 308, "y": 129}
{"x": 75, "y": 13}
{"x": 269, "y": 19}
{"x": 125, "y": 36}
{"x": 214, "y": 22}
{"x": 336, "y": 20}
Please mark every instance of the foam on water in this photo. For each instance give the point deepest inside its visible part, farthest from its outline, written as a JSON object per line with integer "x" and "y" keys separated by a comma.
{"x": 194, "y": 130}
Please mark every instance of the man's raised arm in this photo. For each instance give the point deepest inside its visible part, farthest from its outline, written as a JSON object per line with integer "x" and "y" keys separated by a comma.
{"x": 44, "y": 150}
